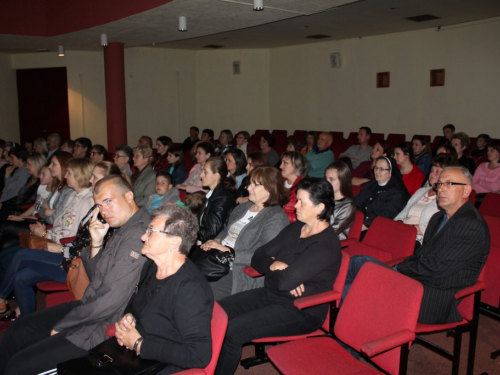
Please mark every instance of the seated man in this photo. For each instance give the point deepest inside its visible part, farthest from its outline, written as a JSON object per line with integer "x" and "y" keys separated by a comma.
{"x": 455, "y": 248}
{"x": 360, "y": 152}
{"x": 38, "y": 342}
{"x": 322, "y": 157}
{"x": 145, "y": 141}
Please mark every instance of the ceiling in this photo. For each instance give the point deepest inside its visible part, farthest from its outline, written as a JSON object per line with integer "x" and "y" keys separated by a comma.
{"x": 234, "y": 24}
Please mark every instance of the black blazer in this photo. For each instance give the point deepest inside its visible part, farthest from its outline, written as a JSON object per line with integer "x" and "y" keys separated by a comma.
{"x": 448, "y": 261}
{"x": 214, "y": 213}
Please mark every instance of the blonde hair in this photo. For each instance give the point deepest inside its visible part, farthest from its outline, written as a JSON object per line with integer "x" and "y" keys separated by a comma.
{"x": 82, "y": 168}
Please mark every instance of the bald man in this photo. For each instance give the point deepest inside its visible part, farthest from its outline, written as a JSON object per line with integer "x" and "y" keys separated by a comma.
{"x": 320, "y": 159}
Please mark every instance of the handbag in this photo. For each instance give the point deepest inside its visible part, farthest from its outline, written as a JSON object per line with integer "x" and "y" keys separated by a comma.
{"x": 213, "y": 264}
{"x": 77, "y": 279}
{"x": 32, "y": 241}
{"x": 110, "y": 358}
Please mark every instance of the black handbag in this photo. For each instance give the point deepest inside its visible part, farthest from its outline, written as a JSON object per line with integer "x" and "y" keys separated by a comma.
{"x": 110, "y": 358}
{"x": 213, "y": 264}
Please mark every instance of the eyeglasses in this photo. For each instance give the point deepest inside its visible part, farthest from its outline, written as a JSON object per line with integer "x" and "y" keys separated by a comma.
{"x": 151, "y": 230}
{"x": 380, "y": 169}
{"x": 447, "y": 184}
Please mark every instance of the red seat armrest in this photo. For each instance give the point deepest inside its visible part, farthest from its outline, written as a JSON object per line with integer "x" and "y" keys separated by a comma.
{"x": 110, "y": 330}
{"x": 252, "y": 272}
{"x": 317, "y": 299}
{"x": 345, "y": 243}
{"x": 67, "y": 240}
{"x": 388, "y": 342}
{"x": 480, "y": 285}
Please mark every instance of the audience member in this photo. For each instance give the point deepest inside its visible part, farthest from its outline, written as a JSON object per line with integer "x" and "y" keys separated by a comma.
{"x": 123, "y": 159}
{"x": 69, "y": 330}
{"x": 422, "y": 154}
{"x": 448, "y": 132}
{"x": 236, "y": 162}
{"x": 225, "y": 143}
{"x": 266, "y": 144}
{"x": 29, "y": 146}
{"x": 98, "y": 153}
{"x": 303, "y": 260}
{"x": 68, "y": 146}
{"x": 145, "y": 141}
{"x": 7, "y": 169}
{"x": 53, "y": 144}
{"x": 311, "y": 140}
{"x": 163, "y": 144}
{"x": 320, "y": 158}
{"x": 177, "y": 170}
{"x": 194, "y": 201}
{"x": 82, "y": 148}
{"x": 338, "y": 174}
{"x": 413, "y": 177}
{"x": 204, "y": 150}
{"x": 190, "y": 141}
{"x": 447, "y": 149}
{"x": 165, "y": 191}
{"x": 243, "y": 143}
{"x": 143, "y": 179}
{"x": 250, "y": 226}
{"x": 487, "y": 175}
{"x": 40, "y": 146}
{"x": 19, "y": 176}
{"x": 364, "y": 172}
{"x": 454, "y": 250}
{"x": 461, "y": 141}
{"x": 294, "y": 167}
{"x": 482, "y": 143}
{"x": 254, "y": 160}
{"x": 360, "y": 152}
{"x": 293, "y": 145}
{"x": 207, "y": 135}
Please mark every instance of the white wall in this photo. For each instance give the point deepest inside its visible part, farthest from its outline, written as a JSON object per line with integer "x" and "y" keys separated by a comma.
{"x": 9, "y": 116}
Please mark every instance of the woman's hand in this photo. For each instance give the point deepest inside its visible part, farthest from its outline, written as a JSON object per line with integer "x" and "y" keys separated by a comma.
{"x": 297, "y": 292}
{"x": 182, "y": 187}
{"x": 241, "y": 200}
{"x": 14, "y": 218}
{"x": 213, "y": 244}
{"x": 38, "y": 229}
{"x": 53, "y": 247}
{"x": 48, "y": 212}
{"x": 126, "y": 333}
{"x": 278, "y": 266}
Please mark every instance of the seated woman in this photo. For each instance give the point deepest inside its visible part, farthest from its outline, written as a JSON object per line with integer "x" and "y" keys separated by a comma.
{"x": 461, "y": 142}
{"x": 40, "y": 146}
{"x": 266, "y": 144}
{"x": 293, "y": 145}
{"x": 482, "y": 142}
{"x": 98, "y": 153}
{"x": 236, "y": 162}
{"x": 27, "y": 194}
{"x": 447, "y": 149}
{"x": 143, "y": 179}
{"x": 254, "y": 160}
{"x": 243, "y": 143}
{"x": 386, "y": 196}
{"x": 123, "y": 159}
{"x": 422, "y": 205}
{"x": 294, "y": 167}
{"x": 413, "y": 177}
{"x": 226, "y": 143}
{"x": 338, "y": 174}
{"x": 422, "y": 154}
{"x": 31, "y": 266}
{"x": 251, "y": 225}
{"x": 177, "y": 169}
{"x": 219, "y": 201}
{"x": 163, "y": 144}
{"x": 303, "y": 260}
{"x": 168, "y": 318}
{"x": 204, "y": 151}
{"x": 19, "y": 176}
{"x": 364, "y": 172}
{"x": 487, "y": 176}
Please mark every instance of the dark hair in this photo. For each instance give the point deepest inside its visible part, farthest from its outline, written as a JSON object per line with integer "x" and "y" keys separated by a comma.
{"x": 69, "y": 143}
{"x": 30, "y": 141}
{"x": 366, "y": 129}
{"x": 345, "y": 177}
{"x": 463, "y": 137}
{"x": 259, "y": 159}
{"x": 19, "y": 152}
{"x": 165, "y": 141}
{"x": 148, "y": 139}
{"x": 101, "y": 151}
{"x": 486, "y": 137}
{"x": 444, "y": 161}
{"x": 405, "y": 147}
{"x": 229, "y": 135}
{"x": 385, "y": 145}
{"x": 240, "y": 159}
{"x": 347, "y": 161}
{"x": 269, "y": 139}
{"x": 194, "y": 201}
{"x": 299, "y": 162}
{"x": 449, "y": 126}
{"x": 194, "y": 128}
{"x": 210, "y": 132}
{"x": 165, "y": 174}
{"x": 127, "y": 151}
{"x": 85, "y": 143}
{"x": 177, "y": 151}
{"x": 295, "y": 143}
{"x": 272, "y": 182}
{"x": 494, "y": 145}
{"x": 207, "y": 147}
{"x": 424, "y": 143}
{"x": 63, "y": 158}
{"x": 122, "y": 185}
{"x": 314, "y": 134}
{"x": 218, "y": 166}
{"x": 320, "y": 191}
{"x": 245, "y": 134}
{"x": 449, "y": 150}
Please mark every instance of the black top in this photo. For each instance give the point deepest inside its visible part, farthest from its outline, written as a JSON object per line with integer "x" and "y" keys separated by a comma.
{"x": 174, "y": 316}
{"x": 313, "y": 261}
{"x": 468, "y": 163}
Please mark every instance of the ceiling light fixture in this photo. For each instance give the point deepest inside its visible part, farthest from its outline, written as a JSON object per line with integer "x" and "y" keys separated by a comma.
{"x": 104, "y": 40}
{"x": 182, "y": 24}
{"x": 258, "y": 5}
{"x": 60, "y": 51}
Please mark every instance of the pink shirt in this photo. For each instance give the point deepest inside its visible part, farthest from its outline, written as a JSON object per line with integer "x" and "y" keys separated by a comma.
{"x": 486, "y": 180}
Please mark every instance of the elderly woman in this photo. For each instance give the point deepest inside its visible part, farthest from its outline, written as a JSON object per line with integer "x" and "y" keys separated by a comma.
{"x": 143, "y": 179}
{"x": 294, "y": 167}
{"x": 254, "y": 160}
{"x": 386, "y": 196}
{"x": 236, "y": 162}
{"x": 123, "y": 159}
{"x": 251, "y": 225}
{"x": 303, "y": 260}
{"x": 225, "y": 139}
{"x": 413, "y": 177}
{"x": 163, "y": 144}
{"x": 219, "y": 201}
{"x": 461, "y": 142}
{"x": 31, "y": 266}
{"x": 98, "y": 154}
{"x": 338, "y": 174}
{"x": 487, "y": 175}
{"x": 422, "y": 205}
{"x": 19, "y": 176}
{"x": 168, "y": 318}
{"x": 204, "y": 151}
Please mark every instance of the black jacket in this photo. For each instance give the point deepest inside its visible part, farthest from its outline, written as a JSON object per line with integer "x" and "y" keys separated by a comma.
{"x": 386, "y": 201}
{"x": 214, "y": 213}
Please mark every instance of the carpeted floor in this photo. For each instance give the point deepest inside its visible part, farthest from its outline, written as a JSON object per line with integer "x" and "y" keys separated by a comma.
{"x": 421, "y": 360}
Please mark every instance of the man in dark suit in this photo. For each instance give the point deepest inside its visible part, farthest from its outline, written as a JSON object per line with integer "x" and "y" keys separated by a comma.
{"x": 455, "y": 248}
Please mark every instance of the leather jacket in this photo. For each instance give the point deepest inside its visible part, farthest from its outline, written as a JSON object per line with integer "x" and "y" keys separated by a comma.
{"x": 343, "y": 217}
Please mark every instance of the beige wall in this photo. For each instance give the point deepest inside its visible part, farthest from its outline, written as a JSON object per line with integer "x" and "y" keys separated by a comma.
{"x": 9, "y": 118}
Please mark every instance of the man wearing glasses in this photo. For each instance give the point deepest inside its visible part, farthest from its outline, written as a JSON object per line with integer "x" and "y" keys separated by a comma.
{"x": 69, "y": 330}
{"x": 455, "y": 248}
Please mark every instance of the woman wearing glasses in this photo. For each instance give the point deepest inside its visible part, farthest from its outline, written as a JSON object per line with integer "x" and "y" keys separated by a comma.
{"x": 123, "y": 159}
{"x": 251, "y": 225}
{"x": 385, "y": 196}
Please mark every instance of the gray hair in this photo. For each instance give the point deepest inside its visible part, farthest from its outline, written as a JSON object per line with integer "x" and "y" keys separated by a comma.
{"x": 465, "y": 172}
{"x": 299, "y": 162}
{"x": 181, "y": 223}
{"x": 42, "y": 142}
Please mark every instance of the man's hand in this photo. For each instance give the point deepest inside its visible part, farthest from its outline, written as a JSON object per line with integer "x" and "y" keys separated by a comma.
{"x": 97, "y": 229}
{"x": 278, "y": 266}
{"x": 297, "y": 292}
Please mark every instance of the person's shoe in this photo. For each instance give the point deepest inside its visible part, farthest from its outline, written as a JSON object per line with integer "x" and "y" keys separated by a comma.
{"x": 4, "y": 306}
{"x": 7, "y": 319}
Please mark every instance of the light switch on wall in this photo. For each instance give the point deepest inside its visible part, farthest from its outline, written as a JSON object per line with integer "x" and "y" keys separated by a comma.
{"x": 335, "y": 60}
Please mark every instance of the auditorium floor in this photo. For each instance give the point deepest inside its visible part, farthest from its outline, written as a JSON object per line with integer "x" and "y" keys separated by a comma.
{"x": 421, "y": 360}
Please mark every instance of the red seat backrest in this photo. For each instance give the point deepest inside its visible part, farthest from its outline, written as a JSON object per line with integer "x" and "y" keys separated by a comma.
{"x": 491, "y": 295}
{"x": 490, "y": 205}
